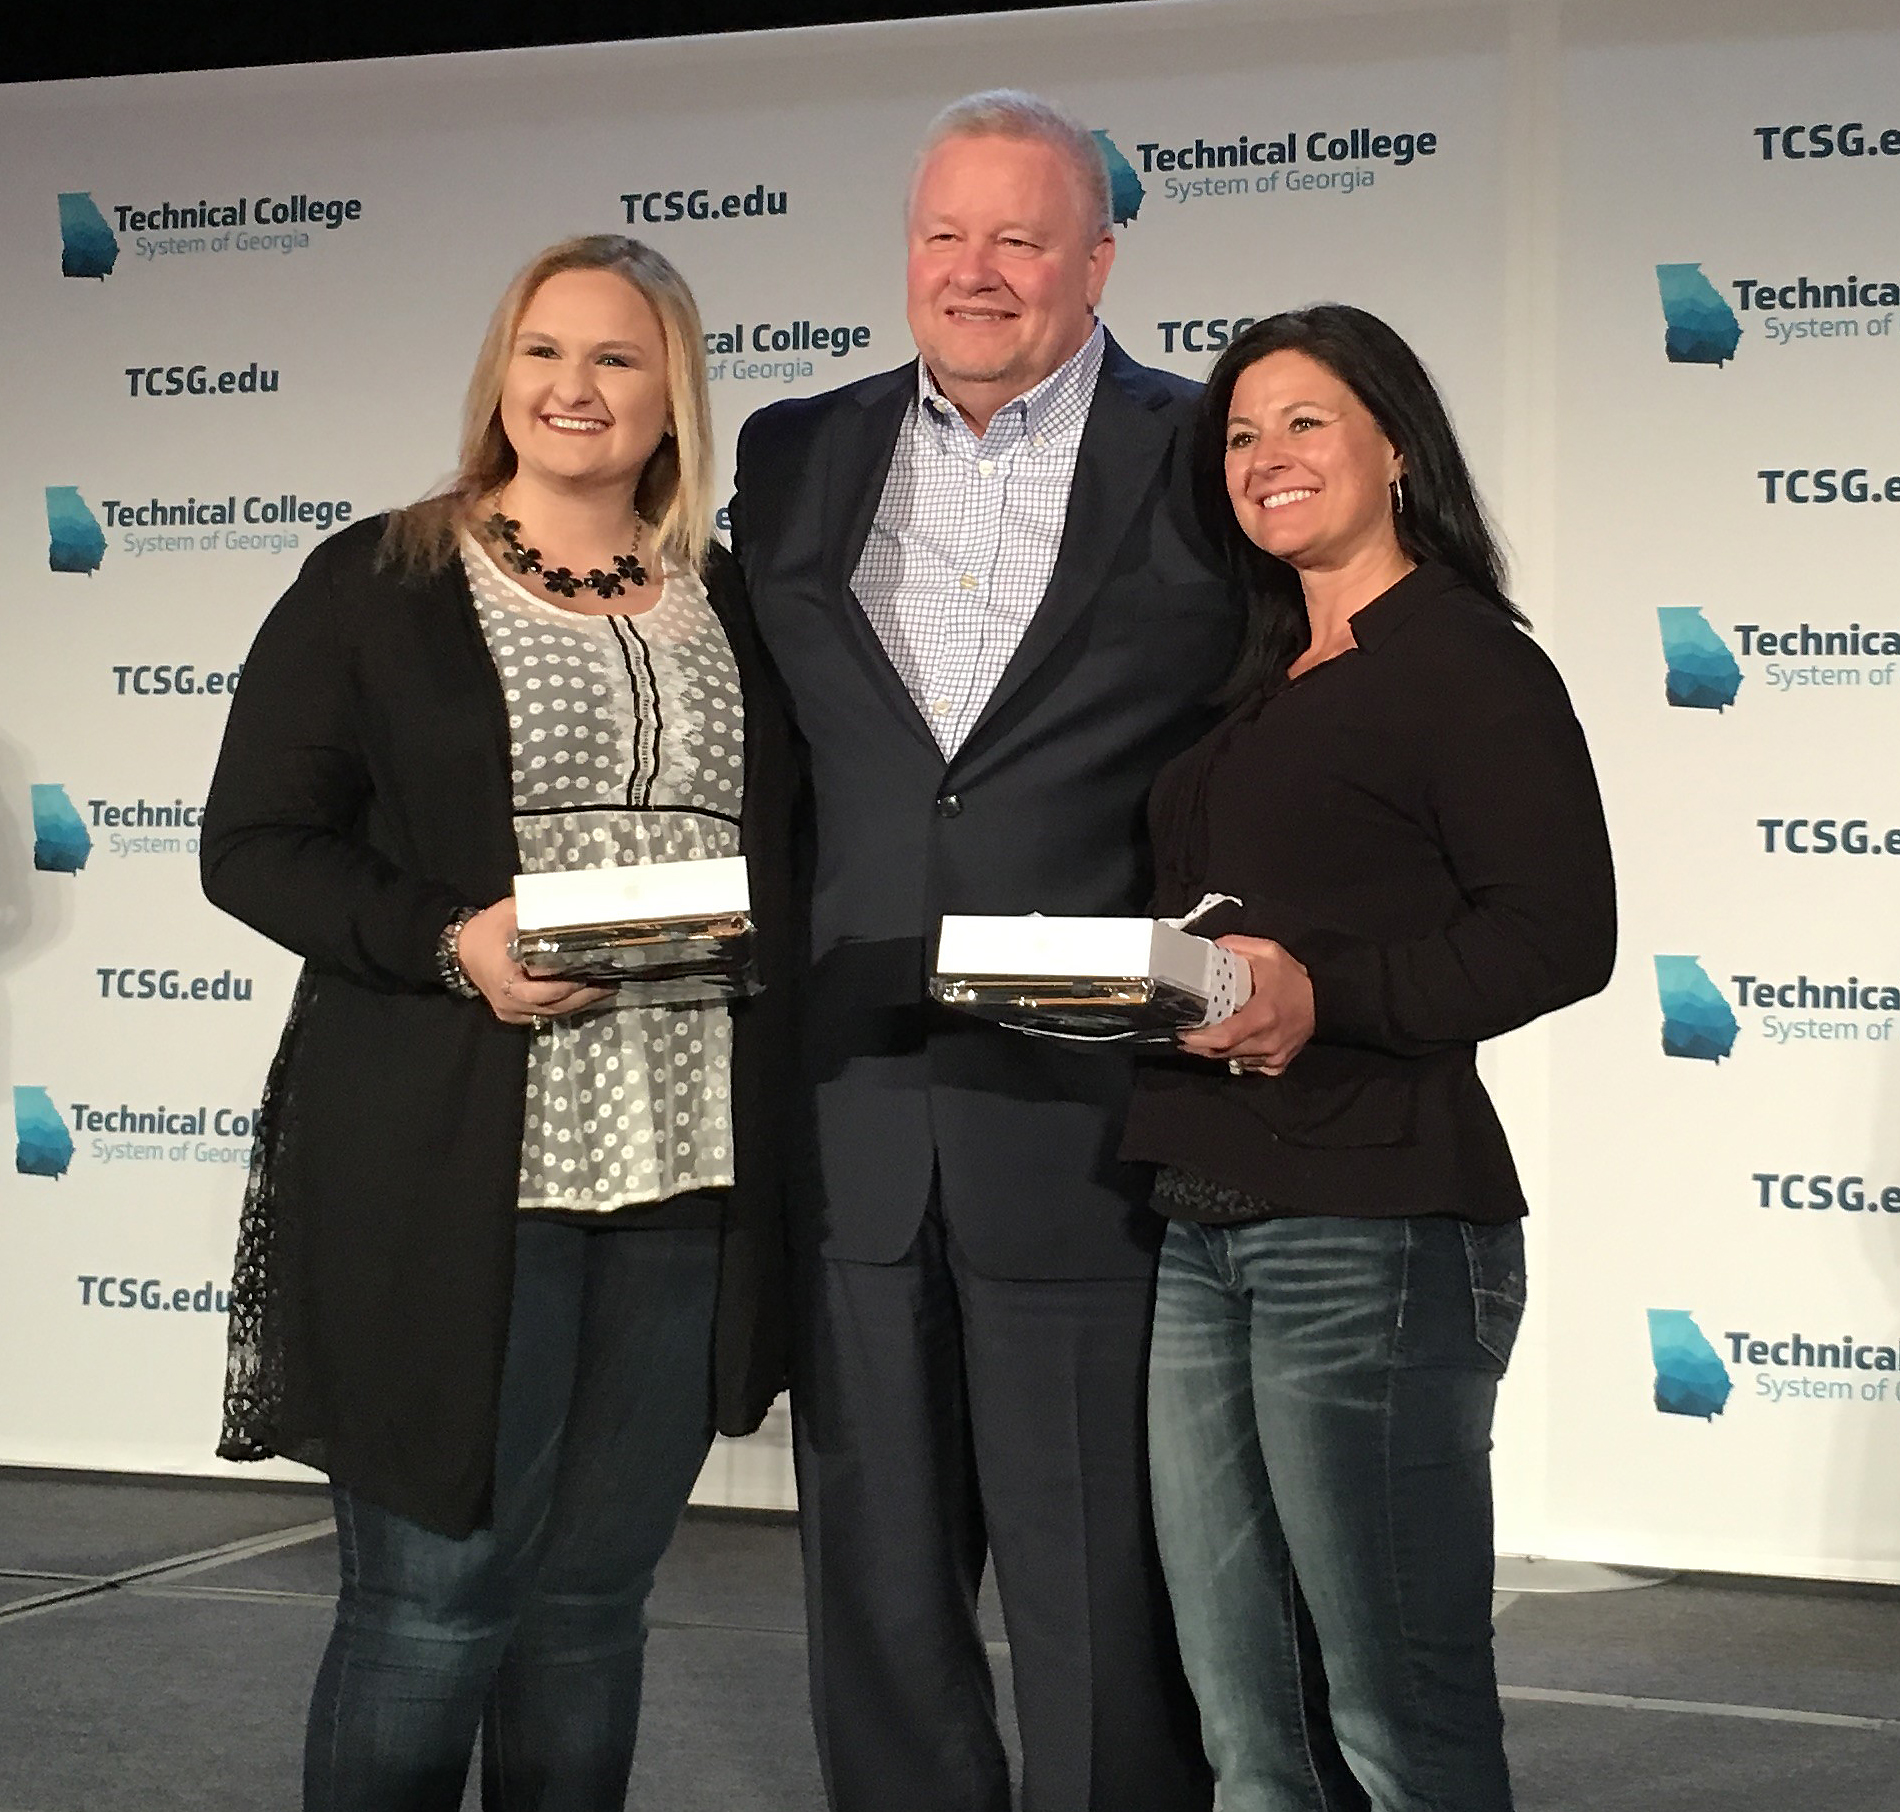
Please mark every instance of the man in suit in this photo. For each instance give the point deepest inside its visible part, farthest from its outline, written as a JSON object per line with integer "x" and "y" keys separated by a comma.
{"x": 980, "y": 580}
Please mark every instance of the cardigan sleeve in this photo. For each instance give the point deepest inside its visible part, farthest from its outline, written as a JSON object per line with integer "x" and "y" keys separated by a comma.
{"x": 283, "y": 843}
{"x": 1513, "y": 804}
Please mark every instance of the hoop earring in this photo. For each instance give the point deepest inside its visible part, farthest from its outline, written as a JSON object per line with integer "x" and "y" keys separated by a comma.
{"x": 1397, "y": 488}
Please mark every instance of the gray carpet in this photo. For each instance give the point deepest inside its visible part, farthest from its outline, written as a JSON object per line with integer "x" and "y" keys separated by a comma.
{"x": 1596, "y": 1760}
{"x": 156, "y": 1650}
{"x": 55, "y": 1522}
{"x": 1821, "y": 1648}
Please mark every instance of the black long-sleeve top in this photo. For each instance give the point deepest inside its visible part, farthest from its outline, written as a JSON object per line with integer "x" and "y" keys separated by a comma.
{"x": 1417, "y": 821}
{"x": 362, "y": 795}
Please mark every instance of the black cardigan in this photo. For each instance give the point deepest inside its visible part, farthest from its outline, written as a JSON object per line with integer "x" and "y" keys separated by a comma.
{"x": 362, "y": 797}
{"x": 1417, "y": 821}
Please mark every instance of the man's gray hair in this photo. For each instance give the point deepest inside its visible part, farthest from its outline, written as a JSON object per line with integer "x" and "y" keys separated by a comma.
{"x": 1011, "y": 113}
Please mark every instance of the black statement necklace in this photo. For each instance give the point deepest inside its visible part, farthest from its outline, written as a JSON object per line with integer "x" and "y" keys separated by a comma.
{"x": 559, "y": 580}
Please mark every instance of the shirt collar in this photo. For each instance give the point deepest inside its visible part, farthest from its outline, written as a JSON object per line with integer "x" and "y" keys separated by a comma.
{"x": 1376, "y": 623}
{"x": 1072, "y": 383}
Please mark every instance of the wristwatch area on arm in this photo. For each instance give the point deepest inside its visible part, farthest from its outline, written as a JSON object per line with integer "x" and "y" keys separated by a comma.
{"x": 448, "y": 961}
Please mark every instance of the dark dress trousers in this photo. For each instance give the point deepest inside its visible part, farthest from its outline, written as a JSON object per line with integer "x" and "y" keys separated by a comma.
{"x": 977, "y": 1261}
{"x": 363, "y": 796}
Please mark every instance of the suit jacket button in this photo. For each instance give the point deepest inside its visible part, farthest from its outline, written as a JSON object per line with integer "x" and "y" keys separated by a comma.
{"x": 949, "y": 806}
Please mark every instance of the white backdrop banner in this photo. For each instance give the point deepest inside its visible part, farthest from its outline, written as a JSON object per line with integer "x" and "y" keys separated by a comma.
{"x": 1723, "y": 1198}
{"x": 1644, "y": 256}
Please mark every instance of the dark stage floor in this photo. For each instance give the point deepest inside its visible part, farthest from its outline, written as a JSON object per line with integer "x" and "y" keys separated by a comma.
{"x": 157, "y": 1640}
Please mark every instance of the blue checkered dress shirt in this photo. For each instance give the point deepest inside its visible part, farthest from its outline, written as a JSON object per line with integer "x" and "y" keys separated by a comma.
{"x": 965, "y": 537}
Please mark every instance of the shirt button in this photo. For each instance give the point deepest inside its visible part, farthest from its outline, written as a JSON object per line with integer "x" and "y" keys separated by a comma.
{"x": 966, "y": 582}
{"x": 986, "y": 466}
{"x": 940, "y": 706}
{"x": 949, "y": 806}
{"x": 1036, "y": 440}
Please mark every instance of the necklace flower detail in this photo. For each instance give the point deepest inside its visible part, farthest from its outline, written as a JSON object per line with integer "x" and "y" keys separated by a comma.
{"x": 559, "y": 580}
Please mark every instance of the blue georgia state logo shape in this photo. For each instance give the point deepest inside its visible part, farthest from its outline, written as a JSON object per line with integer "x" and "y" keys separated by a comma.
{"x": 75, "y": 543}
{"x": 1701, "y": 672}
{"x": 1125, "y": 190}
{"x": 1691, "y": 1379}
{"x": 1696, "y": 1020}
{"x": 42, "y": 1145}
{"x": 61, "y": 842}
{"x": 1699, "y": 327}
{"x": 88, "y": 247}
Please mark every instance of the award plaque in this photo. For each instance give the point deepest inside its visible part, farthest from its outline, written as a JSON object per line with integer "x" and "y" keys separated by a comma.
{"x": 666, "y": 933}
{"x": 1128, "y": 981}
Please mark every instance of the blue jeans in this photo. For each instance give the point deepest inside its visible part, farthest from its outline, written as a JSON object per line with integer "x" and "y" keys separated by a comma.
{"x": 532, "y": 1629}
{"x": 1320, "y": 1403}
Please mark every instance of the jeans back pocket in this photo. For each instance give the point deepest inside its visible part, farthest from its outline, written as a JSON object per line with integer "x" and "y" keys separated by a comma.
{"x": 1494, "y": 1256}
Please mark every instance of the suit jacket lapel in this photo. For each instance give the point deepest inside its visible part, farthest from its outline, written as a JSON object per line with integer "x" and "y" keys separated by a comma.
{"x": 864, "y": 441}
{"x": 1123, "y": 442}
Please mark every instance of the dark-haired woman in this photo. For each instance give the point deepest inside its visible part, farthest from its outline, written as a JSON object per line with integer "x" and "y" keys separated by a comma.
{"x": 511, "y": 1245}
{"x": 1402, "y": 802}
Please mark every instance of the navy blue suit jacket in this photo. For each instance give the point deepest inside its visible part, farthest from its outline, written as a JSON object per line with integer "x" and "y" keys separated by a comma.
{"x": 1042, "y": 809}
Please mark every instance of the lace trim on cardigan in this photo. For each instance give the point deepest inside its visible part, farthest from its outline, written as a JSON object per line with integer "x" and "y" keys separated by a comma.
{"x": 259, "y": 1418}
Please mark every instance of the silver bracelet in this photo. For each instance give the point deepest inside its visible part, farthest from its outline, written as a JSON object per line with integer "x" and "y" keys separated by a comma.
{"x": 448, "y": 959}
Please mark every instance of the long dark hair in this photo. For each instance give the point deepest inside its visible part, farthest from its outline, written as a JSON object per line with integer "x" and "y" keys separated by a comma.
{"x": 1443, "y": 519}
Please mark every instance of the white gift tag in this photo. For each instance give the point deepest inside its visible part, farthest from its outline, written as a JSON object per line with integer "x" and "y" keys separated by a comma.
{"x": 1207, "y": 904}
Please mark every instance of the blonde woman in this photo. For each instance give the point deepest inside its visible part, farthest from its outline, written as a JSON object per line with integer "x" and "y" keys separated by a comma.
{"x": 510, "y": 1249}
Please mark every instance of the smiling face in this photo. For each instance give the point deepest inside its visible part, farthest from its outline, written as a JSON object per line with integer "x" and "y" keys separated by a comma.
{"x": 584, "y": 394}
{"x": 1308, "y": 469}
{"x": 1005, "y": 269}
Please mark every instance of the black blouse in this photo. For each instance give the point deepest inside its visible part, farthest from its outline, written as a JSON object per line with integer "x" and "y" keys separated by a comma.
{"x": 1417, "y": 821}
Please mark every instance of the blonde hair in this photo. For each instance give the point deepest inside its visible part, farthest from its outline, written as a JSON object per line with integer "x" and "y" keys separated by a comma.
{"x": 675, "y": 491}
